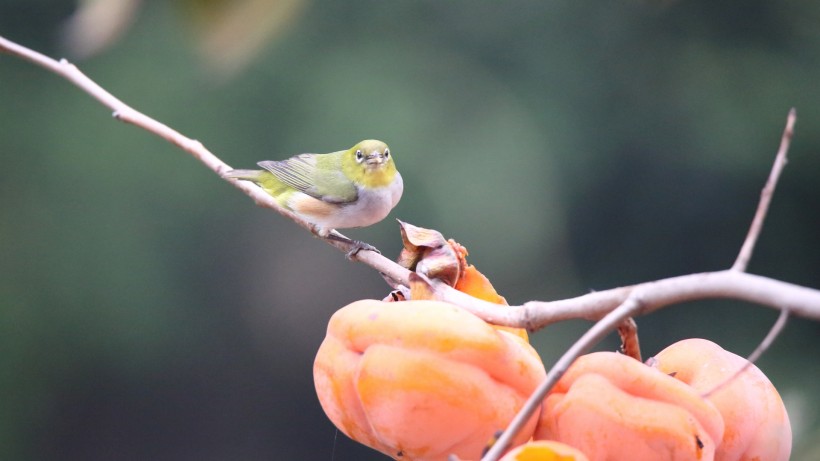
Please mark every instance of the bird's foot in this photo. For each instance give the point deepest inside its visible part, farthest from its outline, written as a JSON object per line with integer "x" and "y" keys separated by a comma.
{"x": 358, "y": 245}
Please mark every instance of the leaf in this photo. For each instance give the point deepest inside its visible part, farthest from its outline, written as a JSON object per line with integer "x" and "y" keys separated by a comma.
{"x": 230, "y": 33}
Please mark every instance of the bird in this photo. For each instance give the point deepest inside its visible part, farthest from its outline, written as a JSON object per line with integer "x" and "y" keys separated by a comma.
{"x": 356, "y": 187}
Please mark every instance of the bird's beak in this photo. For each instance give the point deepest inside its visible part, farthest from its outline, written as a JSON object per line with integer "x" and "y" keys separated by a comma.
{"x": 375, "y": 158}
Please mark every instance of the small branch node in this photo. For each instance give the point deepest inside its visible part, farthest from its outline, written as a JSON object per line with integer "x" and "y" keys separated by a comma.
{"x": 528, "y": 319}
{"x": 193, "y": 144}
{"x": 630, "y": 344}
{"x": 223, "y": 168}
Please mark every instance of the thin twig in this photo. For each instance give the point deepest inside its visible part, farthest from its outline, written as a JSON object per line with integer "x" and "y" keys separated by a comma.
{"x": 764, "y": 345}
{"x": 631, "y": 306}
{"x": 533, "y": 315}
{"x": 128, "y": 114}
{"x": 742, "y": 261}
{"x": 654, "y": 296}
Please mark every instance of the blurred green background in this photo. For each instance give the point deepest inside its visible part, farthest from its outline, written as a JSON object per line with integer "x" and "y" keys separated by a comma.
{"x": 149, "y": 311}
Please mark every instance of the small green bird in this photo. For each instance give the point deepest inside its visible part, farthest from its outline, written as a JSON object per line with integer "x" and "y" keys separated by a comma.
{"x": 356, "y": 187}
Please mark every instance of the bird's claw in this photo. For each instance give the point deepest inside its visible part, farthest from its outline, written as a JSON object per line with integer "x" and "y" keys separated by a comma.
{"x": 359, "y": 246}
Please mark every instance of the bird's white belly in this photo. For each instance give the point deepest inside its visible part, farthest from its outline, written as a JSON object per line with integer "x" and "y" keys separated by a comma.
{"x": 372, "y": 205}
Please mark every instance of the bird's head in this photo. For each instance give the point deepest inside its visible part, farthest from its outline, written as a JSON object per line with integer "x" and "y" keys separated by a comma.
{"x": 370, "y": 164}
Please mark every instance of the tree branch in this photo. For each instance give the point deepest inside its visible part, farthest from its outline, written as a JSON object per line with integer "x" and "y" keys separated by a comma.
{"x": 646, "y": 297}
{"x": 742, "y": 261}
{"x": 127, "y": 114}
{"x": 609, "y": 307}
{"x": 533, "y": 315}
{"x": 630, "y": 307}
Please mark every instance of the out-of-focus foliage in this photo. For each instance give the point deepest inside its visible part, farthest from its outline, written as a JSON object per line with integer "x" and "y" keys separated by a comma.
{"x": 150, "y": 311}
{"x": 97, "y": 24}
{"x": 229, "y": 33}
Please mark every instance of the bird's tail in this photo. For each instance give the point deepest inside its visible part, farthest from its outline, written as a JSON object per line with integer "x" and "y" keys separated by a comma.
{"x": 262, "y": 178}
{"x": 247, "y": 175}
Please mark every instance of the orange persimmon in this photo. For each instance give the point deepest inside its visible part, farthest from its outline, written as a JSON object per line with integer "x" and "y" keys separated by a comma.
{"x": 612, "y": 407}
{"x": 544, "y": 450}
{"x": 757, "y": 426}
{"x": 476, "y": 284}
{"x": 420, "y": 380}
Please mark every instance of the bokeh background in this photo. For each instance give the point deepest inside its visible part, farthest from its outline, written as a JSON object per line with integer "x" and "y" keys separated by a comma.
{"x": 149, "y": 311}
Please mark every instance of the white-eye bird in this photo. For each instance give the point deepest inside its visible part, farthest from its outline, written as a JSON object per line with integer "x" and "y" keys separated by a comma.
{"x": 356, "y": 187}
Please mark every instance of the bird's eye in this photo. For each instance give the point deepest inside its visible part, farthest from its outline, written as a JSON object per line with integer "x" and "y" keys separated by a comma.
{"x": 386, "y": 153}
{"x": 359, "y": 155}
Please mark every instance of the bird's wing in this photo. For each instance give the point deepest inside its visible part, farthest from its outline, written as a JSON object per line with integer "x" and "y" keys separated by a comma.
{"x": 328, "y": 184}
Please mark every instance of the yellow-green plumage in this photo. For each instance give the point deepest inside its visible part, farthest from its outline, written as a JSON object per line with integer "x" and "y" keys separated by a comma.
{"x": 351, "y": 188}
{"x": 265, "y": 180}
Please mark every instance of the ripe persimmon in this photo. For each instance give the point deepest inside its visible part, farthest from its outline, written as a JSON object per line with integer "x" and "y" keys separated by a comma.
{"x": 420, "y": 380}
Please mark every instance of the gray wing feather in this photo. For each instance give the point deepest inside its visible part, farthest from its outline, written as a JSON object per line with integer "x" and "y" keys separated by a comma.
{"x": 296, "y": 172}
{"x": 300, "y": 172}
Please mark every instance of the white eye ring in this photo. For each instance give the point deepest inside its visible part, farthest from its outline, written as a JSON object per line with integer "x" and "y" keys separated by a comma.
{"x": 386, "y": 153}
{"x": 359, "y": 155}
